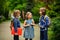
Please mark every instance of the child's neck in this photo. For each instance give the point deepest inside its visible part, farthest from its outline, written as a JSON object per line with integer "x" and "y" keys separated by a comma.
{"x": 29, "y": 18}
{"x": 43, "y": 15}
{"x": 16, "y": 17}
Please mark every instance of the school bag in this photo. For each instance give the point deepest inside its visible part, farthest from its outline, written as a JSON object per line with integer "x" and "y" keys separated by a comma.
{"x": 19, "y": 30}
{"x": 48, "y": 19}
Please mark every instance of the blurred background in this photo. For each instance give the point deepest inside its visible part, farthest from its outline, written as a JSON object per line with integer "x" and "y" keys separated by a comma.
{"x": 52, "y": 10}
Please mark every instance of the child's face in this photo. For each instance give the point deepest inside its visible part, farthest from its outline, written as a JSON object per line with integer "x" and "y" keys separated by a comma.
{"x": 29, "y": 16}
{"x": 18, "y": 14}
{"x": 41, "y": 11}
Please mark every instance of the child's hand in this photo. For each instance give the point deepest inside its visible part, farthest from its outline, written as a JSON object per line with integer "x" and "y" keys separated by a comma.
{"x": 28, "y": 24}
{"x": 16, "y": 33}
{"x": 32, "y": 24}
{"x": 41, "y": 27}
{"x": 10, "y": 27}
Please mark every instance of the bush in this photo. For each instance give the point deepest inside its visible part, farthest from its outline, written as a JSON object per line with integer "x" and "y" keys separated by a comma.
{"x": 21, "y": 20}
{"x": 35, "y": 11}
{"x": 51, "y": 13}
{"x": 56, "y": 28}
{"x": 2, "y": 19}
{"x": 36, "y": 19}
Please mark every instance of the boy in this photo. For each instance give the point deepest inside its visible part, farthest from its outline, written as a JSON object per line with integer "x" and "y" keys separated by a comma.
{"x": 44, "y": 22}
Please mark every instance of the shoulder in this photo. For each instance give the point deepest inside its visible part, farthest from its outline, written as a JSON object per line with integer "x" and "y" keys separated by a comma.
{"x": 25, "y": 21}
{"x": 12, "y": 17}
{"x": 15, "y": 20}
{"x": 46, "y": 17}
{"x": 32, "y": 19}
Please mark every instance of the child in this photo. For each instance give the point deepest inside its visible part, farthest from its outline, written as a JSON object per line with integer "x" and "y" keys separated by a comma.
{"x": 15, "y": 23}
{"x": 44, "y": 22}
{"x": 28, "y": 25}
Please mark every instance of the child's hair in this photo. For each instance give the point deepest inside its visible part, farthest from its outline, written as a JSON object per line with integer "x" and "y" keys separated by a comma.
{"x": 15, "y": 12}
{"x": 44, "y": 12}
{"x": 26, "y": 16}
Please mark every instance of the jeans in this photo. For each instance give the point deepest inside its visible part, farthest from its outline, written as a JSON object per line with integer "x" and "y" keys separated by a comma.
{"x": 27, "y": 39}
{"x": 16, "y": 37}
{"x": 43, "y": 35}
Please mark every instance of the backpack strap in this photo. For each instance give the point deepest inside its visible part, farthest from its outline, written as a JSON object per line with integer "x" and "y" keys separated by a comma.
{"x": 12, "y": 24}
{"x": 48, "y": 19}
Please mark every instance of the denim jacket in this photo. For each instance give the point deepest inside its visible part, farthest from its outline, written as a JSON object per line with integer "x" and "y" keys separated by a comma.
{"x": 44, "y": 22}
{"x": 16, "y": 23}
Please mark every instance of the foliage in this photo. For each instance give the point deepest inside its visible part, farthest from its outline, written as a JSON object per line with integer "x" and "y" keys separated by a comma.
{"x": 4, "y": 11}
{"x": 35, "y": 11}
{"x": 56, "y": 28}
{"x": 17, "y": 4}
{"x": 54, "y": 9}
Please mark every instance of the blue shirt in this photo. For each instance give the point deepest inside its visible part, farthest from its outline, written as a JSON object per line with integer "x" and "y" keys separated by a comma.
{"x": 29, "y": 30}
{"x": 44, "y": 22}
{"x": 16, "y": 23}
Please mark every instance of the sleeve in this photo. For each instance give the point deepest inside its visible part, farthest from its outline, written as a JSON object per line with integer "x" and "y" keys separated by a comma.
{"x": 12, "y": 17}
{"x": 40, "y": 23}
{"x": 47, "y": 21}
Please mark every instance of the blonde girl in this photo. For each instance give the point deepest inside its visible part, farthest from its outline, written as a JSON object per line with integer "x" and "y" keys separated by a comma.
{"x": 29, "y": 27}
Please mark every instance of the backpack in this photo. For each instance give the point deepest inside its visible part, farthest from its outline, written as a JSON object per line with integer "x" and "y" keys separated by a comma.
{"x": 48, "y": 19}
{"x": 19, "y": 30}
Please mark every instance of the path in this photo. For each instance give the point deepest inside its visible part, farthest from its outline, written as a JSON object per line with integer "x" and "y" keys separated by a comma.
{"x": 5, "y": 32}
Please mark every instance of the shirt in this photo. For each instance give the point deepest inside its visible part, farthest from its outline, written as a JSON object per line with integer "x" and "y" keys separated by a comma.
{"x": 44, "y": 22}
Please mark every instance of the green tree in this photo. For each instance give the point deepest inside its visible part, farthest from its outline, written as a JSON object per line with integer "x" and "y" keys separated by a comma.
{"x": 4, "y": 11}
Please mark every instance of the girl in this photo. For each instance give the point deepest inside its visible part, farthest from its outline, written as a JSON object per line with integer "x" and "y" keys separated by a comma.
{"x": 28, "y": 25}
{"x": 15, "y": 23}
{"x": 44, "y": 22}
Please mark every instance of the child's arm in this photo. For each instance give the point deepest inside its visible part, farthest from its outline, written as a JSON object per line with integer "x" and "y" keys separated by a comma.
{"x": 11, "y": 24}
{"x": 25, "y": 25}
{"x": 33, "y": 23}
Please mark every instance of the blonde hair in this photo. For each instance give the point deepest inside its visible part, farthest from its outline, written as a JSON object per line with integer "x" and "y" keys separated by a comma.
{"x": 27, "y": 14}
{"x": 42, "y": 8}
{"x": 15, "y": 12}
